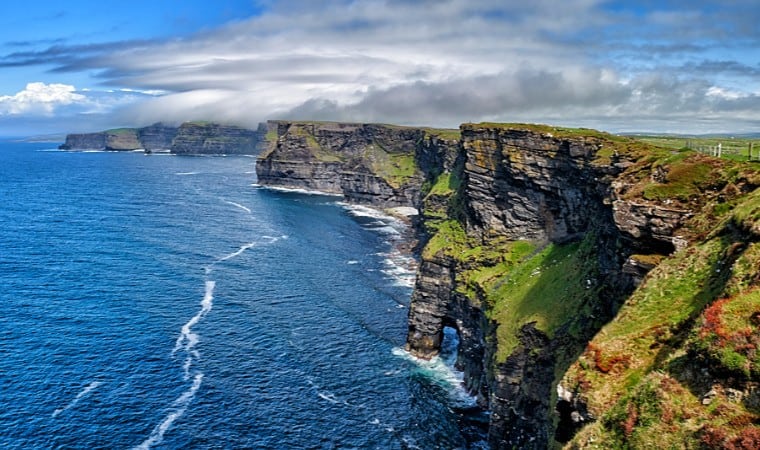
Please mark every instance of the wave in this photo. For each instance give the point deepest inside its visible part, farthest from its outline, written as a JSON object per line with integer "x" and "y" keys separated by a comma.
{"x": 402, "y": 269}
{"x": 296, "y": 190}
{"x": 329, "y": 397}
{"x": 238, "y": 252}
{"x": 440, "y": 369}
{"x": 187, "y": 338}
{"x": 178, "y": 408}
{"x": 90, "y": 387}
{"x": 238, "y": 205}
{"x": 186, "y": 173}
{"x": 244, "y": 247}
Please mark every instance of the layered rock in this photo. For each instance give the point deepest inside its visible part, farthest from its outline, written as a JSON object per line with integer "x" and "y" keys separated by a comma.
{"x": 117, "y": 139}
{"x": 582, "y": 197}
{"x": 210, "y": 138}
{"x": 373, "y": 164}
{"x": 537, "y": 236}
{"x": 156, "y": 137}
{"x": 190, "y": 138}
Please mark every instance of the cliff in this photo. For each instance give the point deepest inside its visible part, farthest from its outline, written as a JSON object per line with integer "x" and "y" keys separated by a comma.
{"x": 190, "y": 138}
{"x": 116, "y": 139}
{"x": 379, "y": 165}
{"x": 210, "y": 138}
{"x": 604, "y": 291}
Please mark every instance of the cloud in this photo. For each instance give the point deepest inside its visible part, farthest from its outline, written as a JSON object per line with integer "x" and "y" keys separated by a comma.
{"x": 584, "y": 62}
{"x": 40, "y": 98}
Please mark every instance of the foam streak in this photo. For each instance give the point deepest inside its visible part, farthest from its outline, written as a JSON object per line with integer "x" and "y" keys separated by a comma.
{"x": 177, "y": 409}
{"x": 79, "y": 396}
{"x": 187, "y": 338}
{"x": 238, "y": 205}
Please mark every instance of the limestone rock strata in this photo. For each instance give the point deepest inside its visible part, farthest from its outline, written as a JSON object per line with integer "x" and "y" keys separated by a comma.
{"x": 190, "y": 138}
{"x": 215, "y": 139}
{"x": 580, "y": 192}
{"x": 379, "y": 165}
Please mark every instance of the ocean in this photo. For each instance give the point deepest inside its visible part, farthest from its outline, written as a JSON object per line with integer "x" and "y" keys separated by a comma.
{"x": 169, "y": 302}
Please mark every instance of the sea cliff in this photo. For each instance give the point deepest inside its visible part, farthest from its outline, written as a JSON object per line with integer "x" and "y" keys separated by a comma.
{"x": 190, "y": 138}
{"x": 594, "y": 281}
{"x": 380, "y": 165}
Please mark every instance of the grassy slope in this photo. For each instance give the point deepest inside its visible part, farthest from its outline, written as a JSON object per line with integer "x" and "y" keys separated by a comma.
{"x": 634, "y": 374}
{"x": 642, "y": 375}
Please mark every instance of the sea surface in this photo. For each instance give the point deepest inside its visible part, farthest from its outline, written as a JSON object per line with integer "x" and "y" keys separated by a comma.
{"x": 169, "y": 302}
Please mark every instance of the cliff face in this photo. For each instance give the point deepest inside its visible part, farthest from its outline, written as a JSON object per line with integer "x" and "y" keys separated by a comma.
{"x": 190, "y": 138}
{"x": 595, "y": 282}
{"x": 209, "y": 138}
{"x": 555, "y": 230}
{"x": 373, "y": 164}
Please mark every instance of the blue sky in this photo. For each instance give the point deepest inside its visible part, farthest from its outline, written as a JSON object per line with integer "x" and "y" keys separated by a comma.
{"x": 666, "y": 66}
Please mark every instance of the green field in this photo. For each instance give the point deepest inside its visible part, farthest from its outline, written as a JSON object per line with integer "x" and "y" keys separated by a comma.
{"x": 729, "y": 147}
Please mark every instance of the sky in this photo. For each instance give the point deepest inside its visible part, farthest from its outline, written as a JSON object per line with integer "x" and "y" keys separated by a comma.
{"x": 667, "y": 66}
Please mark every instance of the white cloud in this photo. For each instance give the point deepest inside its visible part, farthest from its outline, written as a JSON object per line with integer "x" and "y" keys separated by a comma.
{"x": 439, "y": 62}
{"x": 40, "y": 99}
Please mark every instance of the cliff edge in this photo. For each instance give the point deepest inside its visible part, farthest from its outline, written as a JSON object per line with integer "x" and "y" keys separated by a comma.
{"x": 605, "y": 291}
{"x": 190, "y": 138}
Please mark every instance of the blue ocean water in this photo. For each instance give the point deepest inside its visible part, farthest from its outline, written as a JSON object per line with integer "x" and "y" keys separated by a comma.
{"x": 168, "y": 302}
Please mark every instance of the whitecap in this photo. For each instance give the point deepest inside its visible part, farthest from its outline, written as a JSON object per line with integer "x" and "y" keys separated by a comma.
{"x": 238, "y": 252}
{"x": 440, "y": 369}
{"x": 178, "y": 408}
{"x": 186, "y": 173}
{"x": 296, "y": 190}
{"x": 329, "y": 397}
{"x": 89, "y": 388}
{"x": 238, "y": 205}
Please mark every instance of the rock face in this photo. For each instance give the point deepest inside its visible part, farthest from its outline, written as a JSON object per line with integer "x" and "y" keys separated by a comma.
{"x": 156, "y": 137}
{"x": 373, "y": 164}
{"x": 190, "y": 138}
{"x": 209, "y": 138}
{"x": 537, "y": 237}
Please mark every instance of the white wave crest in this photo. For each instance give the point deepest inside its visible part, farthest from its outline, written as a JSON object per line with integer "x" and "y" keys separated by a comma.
{"x": 238, "y": 205}
{"x": 89, "y": 388}
{"x": 186, "y": 173}
{"x": 178, "y": 408}
{"x": 440, "y": 369}
{"x": 296, "y": 190}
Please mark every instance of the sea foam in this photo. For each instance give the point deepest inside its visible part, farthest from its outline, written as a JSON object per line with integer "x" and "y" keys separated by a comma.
{"x": 178, "y": 408}
{"x": 90, "y": 387}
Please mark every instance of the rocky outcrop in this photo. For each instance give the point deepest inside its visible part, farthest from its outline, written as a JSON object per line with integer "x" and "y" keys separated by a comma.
{"x": 195, "y": 138}
{"x": 537, "y": 236}
{"x": 190, "y": 138}
{"x": 117, "y": 139}
{"x": 156, "y": 137}
{"x": 379, "y": 165}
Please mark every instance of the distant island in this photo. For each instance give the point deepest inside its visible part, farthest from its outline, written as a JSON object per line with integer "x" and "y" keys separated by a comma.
{"x": 605, "y": 290}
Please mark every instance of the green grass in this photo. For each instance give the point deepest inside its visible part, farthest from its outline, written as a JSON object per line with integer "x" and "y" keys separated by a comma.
{"x": 395, "y": 168}
{"x": 444, "y": 133}
{"x": 449, "y": 238}
{"x": 732, "y": 148}
{"x": 445, "y": 184}
{"x": 548, "y": 289}
{"x": 685, "y": 179}
{"x": 518, "y": 285}
{"x": 120, "y": 131}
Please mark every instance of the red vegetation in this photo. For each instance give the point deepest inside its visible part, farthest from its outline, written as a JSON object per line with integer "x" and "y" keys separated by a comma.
{"x": 712, "y": 323}
{"x": 630, "y": 421}
{"x": 606, "y": 365}
{"x": 717, "y": 438}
